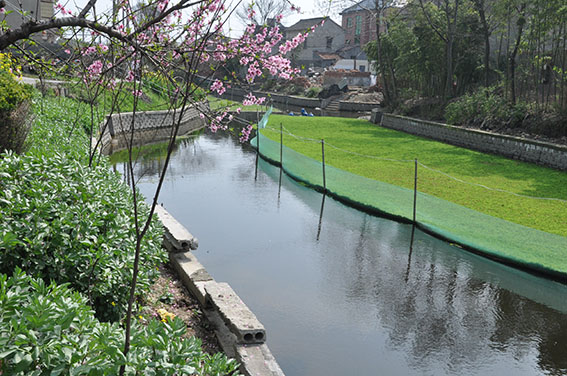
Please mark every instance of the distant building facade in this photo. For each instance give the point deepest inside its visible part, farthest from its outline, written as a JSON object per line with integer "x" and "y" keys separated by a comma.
{"x": 38, "y": 10}
{"x": 359, "y": 23}
{"x": 319, "y": 44}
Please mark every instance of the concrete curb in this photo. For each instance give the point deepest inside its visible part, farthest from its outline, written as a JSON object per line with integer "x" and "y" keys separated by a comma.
{"x": 239, "y": 332}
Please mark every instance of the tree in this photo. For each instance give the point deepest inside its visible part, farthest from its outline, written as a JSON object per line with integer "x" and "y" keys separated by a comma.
{"x": 116, "y": 54}
{"x": 447, "y": 32}
{"x": 259, "y": 12}
{"x": 484, "y": 10}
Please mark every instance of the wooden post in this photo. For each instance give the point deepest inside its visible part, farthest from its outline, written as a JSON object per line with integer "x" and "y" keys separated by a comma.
{"x": 323, "y": 160}
{"x": 281, "y": 145}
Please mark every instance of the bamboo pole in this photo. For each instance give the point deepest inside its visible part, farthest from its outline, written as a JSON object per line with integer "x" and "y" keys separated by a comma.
{"x": 323, "y": 160}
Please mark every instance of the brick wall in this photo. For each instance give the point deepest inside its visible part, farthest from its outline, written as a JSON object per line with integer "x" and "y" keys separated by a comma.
{"x": 541, "y": 153}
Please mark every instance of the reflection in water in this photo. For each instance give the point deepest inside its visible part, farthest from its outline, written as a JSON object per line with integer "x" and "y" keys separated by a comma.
{"x": 321, "y": 216}
{"x": 356, "y": 299}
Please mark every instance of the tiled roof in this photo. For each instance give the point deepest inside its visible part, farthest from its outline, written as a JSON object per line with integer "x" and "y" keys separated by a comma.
{"x": 306, "y": 23}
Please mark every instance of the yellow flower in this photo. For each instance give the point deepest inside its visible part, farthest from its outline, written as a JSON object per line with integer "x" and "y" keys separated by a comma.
{"x": 164, "y": 315}
{"x": 113, "y": 304}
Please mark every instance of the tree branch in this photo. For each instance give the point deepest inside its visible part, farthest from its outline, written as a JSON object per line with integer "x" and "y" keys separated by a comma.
{"x": 32, "y": 27}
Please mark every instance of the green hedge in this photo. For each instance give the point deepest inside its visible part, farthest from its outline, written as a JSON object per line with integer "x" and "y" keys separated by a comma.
{"x": 50, "y": 330}
{"x": 12, "y": 93}
{"x": 66, "y": 222}
{"x": 484, "y": 107}
{"x": 14, "y": 113}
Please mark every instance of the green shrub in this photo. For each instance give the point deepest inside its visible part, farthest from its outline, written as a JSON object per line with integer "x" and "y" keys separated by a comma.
{"x": 12, "y": 93}
{"x": 63, "y": 221}
{"x": 313, "y": 91}
{"x": 484, "y": 107}
{"x": 14, "y": 109}
{"x": 60, "y": 125}
{"x": 50, "y": 330}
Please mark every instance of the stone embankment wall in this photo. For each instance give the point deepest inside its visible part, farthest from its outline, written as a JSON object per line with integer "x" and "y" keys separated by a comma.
{"x": 149, "y": 126}
{"x": 238, "y": 94}
{"x": 353, "y": 78}
{"x": 541, "y": 153}
{"x": 356, "y": 106}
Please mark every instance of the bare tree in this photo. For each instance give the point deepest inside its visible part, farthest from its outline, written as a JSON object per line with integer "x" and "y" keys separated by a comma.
{"x": 262, "y": 10}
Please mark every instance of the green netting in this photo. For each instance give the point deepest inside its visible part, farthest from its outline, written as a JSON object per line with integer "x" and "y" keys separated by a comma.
{"x": 496, "y": 238}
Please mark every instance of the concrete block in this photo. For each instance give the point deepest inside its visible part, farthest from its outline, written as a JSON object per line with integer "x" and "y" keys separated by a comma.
{"x": 192, "y": 274}
{"x": 257, "y": 360}
{"x": 176, "y": 237}
{"x": 237, "y": 316}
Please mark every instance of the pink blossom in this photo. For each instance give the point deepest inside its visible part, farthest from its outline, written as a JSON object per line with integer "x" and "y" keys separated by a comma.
{"x": 2, "y": 11}
{"x": 130, "y": 76}
{"x": 95, "y": 68}
{"x": 89, "y": 51}
{"x": 162, "y": 5}
{"x": 245, "y": 134}
{"x": 68, "y": 52}
{"x": 251, "y": 100}
{"x": 137, "y": 93}
{"x": 218, "y": 87}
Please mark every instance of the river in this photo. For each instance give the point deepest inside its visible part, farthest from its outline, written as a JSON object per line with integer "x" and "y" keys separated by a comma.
{"x": 339, "y": 291}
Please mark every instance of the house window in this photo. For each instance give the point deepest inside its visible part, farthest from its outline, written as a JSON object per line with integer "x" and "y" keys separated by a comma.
{"x": 329, "y": 42}
{"x": 357, "y": 39}
{"x": 349, "y": 22}
{"x": 305, "y": 44}
{"x": 358, "y": 26}
{"x": 362, "y": 68}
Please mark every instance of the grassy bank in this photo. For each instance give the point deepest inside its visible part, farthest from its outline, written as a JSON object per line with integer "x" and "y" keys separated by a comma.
{"x": 376, "y": 153}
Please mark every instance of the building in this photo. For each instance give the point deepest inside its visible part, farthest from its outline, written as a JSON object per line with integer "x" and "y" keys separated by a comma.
{"x": 359, "y": 23}
{"x": 319, "y": 44}
{"x": 38, "y": 10}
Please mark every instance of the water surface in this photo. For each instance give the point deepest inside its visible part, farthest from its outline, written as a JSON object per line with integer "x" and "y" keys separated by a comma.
{"x": 341, "y": 294}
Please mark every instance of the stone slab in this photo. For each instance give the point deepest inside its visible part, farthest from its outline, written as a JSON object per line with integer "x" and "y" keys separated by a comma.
{"x": 176, "y": 236}
{"x": 237, "y": 316}
{"x": 192, "y": 274}
{"x": 257, "y": 360}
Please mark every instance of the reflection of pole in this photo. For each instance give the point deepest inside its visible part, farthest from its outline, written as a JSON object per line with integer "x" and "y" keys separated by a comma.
{"x": 414, "y": 206}
{"x": 279, "y": 188}
{"x": 323, "y": 160}
{"x": 256, "y": 168}
{"x": 258, "y": 138}
{"x": 321, "y": 217}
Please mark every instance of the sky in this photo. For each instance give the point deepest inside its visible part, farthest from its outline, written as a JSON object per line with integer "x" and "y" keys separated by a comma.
{"x": 309, "y": 9}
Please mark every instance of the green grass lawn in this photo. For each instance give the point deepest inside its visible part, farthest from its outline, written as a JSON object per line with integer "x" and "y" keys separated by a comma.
{"x": 499, "y": 173}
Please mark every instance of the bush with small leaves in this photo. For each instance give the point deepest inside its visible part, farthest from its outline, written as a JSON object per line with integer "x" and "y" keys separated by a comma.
{"x": 63, "y": 221}
{"x": 50, "y": 330}
{"x": 14, "y": 109}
